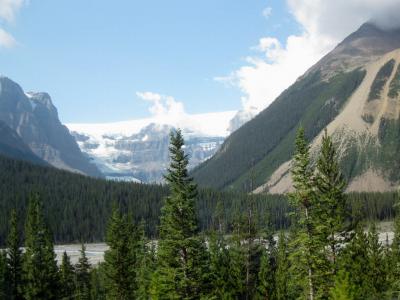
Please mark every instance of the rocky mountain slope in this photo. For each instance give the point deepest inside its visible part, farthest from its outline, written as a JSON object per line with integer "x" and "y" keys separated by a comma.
{"x": 354, "y": 91}
{"x": 34, "y": 124}
{"x": 11, "y": 145}
{"x": 138, "y": 149}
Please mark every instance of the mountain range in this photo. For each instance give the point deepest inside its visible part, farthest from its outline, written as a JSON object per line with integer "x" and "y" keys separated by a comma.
{"x": 138, "y": 150}
{"x": 354, "y": 92}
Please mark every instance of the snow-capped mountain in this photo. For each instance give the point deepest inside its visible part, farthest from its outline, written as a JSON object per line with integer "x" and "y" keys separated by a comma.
{"x": 138, "y": 149}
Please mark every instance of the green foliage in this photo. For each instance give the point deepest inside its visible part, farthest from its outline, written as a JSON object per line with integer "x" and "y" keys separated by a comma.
{"x": 394, "y": 87}
{"x": 376, "y": 265}
{"x": 387, "y": 158}
{"x": 40, "y": 268}
{"x": 244, "y": 265}
{"x": 221, "y": 274}
{"x": 330, "y": 215}
{"x": 394, "y": 255}
{"x": 342, "y": 289}
{"x": 380, "y": 80}
{"x": 67, "y": 278}
{"x": 3, "y": 275}
{"x": 83, "y": 280}
{"x": 355, "y": 261}
{"x": 282, "y": 269}
{"x": 181, "y": 254}
{"x": 14, "y": 260}
{"x": 120, "y": 258}
{"x": 260, "y": 146}
{"x": 306, "y": 245}
{"x": 146, "y": 265}
{"x": 266, "y": 285}
{"x": 78, "y": 208}
{"x": 98, "y": 282}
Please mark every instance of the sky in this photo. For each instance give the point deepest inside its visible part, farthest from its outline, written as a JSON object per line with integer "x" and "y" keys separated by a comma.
{"x": 104, "y": 61}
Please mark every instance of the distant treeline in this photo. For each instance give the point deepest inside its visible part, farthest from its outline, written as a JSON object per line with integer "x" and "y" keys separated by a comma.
{"x": 77, "y": 207}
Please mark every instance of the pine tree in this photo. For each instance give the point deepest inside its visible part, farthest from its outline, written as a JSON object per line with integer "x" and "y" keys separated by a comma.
{"x": 67, "y": 278}
{"x": 14, "y": 260}
{"x": 83, "y": 280}
{"x": 266, "y": 285}
{"x": 237, "y": 258}
{"x": 377, "y": 277}
{"x": 306, "y": 247}
{"x": 39, "y": 264}
{"x": 182, "y": 255}
{"x": 252, "y": 249}
{"x": 282, "y": 269}
{"x": 146, "y": 265}
{"x": 98, "y": 282}
{"x": 3, "y": 275}
{"x": 266, "y": 288}
{"x": 342, "y": 288}
{"x": 330, "y": 211}
{"x": 394, "y": 254}
{"x": 355, "y": 261}
{"x": 119, "y": 260}
{"x": 221, "y": 279}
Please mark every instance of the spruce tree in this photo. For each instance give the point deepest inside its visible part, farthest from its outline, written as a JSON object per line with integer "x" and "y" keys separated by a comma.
{"x": 67, "y": 278}
{"x": 237, "y": 258}
{"x": 39, "y": 264}
{"x": 377, "y": 276}
{"x": 14, "y": 260}
{"x": 355, "y": 261}
{"x": 342, "y": 288}
{"x": 145, "y": 265}
{"x": 252, "y": 249}
{"x": 98, "y": 282}
{"x": 330, "y": 212}
{"x": 282, "y": 269}
{"x": 181, "y": 253}
{"x": 119, "y": 260}
{"x": 394, "y": 254}
{"x": 306, "y": 246}
{"x": 83, "y": 280}
{"x": 3, "y": 275}
{"x": 221, "y": 279}
{"x": 266, "y": 288}
{"x": 331, "y": 204}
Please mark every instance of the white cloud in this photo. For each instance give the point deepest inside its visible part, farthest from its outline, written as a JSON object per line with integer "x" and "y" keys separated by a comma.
{"x": 9, "y": 8}
{"x": 267, "y": 12}
{"x": 162, "y": 106}
{"x": 324, "y": 24}
{"x": 6, "y": 40}
{"x": 8, "y": 11}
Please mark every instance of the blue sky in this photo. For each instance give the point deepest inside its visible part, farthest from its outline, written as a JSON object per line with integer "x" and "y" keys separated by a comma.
{"x": 93, "y": 56}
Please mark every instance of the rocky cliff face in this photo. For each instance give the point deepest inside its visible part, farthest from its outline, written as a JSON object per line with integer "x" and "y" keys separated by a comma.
{"x": 11, "y": 145}
{"x": 35, "y": 119}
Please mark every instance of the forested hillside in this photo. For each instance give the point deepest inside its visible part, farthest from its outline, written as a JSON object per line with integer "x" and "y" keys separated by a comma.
{"x": 77, "y": 207}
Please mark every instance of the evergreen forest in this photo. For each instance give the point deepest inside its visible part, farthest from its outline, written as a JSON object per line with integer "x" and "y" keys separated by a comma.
{"x": 178, "y": 241}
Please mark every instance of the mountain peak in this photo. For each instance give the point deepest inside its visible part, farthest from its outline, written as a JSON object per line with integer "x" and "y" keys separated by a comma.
{"x": 42, "y": 98}
{"x": 366, "y": 44}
